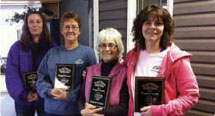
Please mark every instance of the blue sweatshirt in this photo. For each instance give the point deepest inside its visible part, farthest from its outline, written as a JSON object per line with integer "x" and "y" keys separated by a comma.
{"x": 18, "y": 62}
{"x": 83, "y": 57}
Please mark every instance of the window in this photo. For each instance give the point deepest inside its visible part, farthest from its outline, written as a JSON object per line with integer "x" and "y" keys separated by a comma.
{"x": 141, "y": 4}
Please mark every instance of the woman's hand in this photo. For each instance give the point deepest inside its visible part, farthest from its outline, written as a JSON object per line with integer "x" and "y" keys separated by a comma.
{"x": 32, "y": 96}
{"x": 84, "y": 74}
{"x": 121, "y": 61}
{"x": 145, "y": 111}
{"x": 91, "y": 110}
{"x": 59, "y": 94}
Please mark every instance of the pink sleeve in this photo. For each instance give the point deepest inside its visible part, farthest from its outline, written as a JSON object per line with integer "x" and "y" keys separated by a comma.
{"x": 187, "y": 89}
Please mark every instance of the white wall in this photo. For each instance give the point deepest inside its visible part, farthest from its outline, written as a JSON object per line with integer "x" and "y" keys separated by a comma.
{"x": 7, "y": 107}
{"x": 8, "y": 33}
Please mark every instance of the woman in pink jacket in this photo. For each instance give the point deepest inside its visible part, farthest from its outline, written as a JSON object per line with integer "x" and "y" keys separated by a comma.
{"x": 155, "y": 55}
{"x": 110, "y": 51}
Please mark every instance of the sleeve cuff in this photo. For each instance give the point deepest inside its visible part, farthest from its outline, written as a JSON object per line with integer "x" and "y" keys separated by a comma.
{"x": 25, "y": 95}
{"x": 49, "y": 93}
{"x": 155, "y": 110}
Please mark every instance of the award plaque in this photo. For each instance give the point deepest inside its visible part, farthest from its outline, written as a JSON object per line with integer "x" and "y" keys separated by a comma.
{"x": 29, "y": 80}
{"x": 100, "y": 91}
{"x": 65, "y": 76}
{"x": 148, "y": 91}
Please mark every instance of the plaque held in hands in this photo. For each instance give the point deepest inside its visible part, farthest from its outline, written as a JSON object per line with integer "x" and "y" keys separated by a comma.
{"x": 29, "y": 80}
{"x": 100, "y": 91}
{"x": 65, "y": 76}
{"x": 148, "y": 91}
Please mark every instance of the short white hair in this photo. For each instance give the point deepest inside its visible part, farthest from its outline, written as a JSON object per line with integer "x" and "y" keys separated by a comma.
{"x": 112, "y": 34}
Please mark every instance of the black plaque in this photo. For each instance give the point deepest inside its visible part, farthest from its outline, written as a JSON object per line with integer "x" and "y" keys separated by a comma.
{"x": 148, "y": 91}
{"x": 100, "y": 91}
{"x": 65, "y": 76}
{"x": 29, "y": 80}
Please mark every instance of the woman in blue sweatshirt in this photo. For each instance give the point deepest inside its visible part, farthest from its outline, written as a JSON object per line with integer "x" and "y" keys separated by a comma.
{"x": 58, "y": 101}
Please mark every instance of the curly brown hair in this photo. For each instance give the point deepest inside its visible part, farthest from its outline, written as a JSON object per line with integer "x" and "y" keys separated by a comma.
{"x": 160, "y": 13}
{"x": 26, "y": 36}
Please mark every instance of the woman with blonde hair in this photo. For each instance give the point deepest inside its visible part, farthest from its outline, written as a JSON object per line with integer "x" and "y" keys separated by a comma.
{"x": 110, "y": 51}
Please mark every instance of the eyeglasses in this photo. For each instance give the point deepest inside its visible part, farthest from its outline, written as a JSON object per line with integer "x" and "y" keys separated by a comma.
{"x": 73, "y": 27}
{"x": 109, "y": 45}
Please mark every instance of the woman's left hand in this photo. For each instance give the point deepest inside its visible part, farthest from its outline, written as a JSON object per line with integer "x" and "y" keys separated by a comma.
{"x": 145, "y": 111}
{"x": 59, "y": 94}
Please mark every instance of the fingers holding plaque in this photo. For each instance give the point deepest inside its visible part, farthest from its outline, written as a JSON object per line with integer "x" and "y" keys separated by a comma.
{"x": 29, "y": 80}
{"x": 148, "y": 91}
{"x": 65, "y": 76}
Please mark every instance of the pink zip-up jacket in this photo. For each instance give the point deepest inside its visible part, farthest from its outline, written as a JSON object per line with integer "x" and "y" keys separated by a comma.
{"x": 181, "y": 91}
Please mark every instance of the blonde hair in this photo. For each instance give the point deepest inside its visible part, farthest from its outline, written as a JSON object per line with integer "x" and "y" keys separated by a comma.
{"x": 112, "y": 34}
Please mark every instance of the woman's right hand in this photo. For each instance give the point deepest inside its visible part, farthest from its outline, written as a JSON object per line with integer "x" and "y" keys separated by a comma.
{"x": 91, "y": 110}
{"x": 32, "y": 96}
{"x": 145, "y": 111}
{"x": 58, "y": 93}
{"x": 84, "y": 74}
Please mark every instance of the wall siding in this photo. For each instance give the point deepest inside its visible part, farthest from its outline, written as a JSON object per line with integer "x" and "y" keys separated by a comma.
{"x": 195, "y": 33}
{"x": 113, "y": 13}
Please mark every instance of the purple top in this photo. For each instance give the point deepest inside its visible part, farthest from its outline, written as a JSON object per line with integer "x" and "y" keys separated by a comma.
{"x": 18, "y": 62}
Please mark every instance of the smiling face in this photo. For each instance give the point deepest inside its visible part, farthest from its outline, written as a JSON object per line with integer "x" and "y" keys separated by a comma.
{"x": 70, "y": 31}
{"x": 35, "y": 24}
{"x": 108, "y": 50}
{"x": 152, "y": 29}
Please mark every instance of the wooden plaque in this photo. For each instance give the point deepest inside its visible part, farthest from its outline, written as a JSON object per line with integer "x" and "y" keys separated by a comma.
{"x": 29, "y": 80}
{"x": 100, "y": 91}
{"x": 65, "y": 76}
{"x": 148, "y": 91}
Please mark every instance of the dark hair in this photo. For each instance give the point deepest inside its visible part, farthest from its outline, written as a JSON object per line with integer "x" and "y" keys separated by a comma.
{"x": 158, "y": 12}
{"x": 70, "y": 15}
{"x": 26, "y": 36}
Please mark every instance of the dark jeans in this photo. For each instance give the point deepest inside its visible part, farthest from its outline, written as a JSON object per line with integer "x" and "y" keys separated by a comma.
{"x": 48, "y": 114}
{"x": 24, "y": 110}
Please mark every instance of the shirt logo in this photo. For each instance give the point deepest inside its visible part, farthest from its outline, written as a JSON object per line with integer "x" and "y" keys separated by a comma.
{"x": 156, "y": 69}
{"x": 79, "y": 61}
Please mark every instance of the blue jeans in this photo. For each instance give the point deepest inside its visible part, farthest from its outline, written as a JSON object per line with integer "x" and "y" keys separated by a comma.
{"x": 25, "y": 110}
